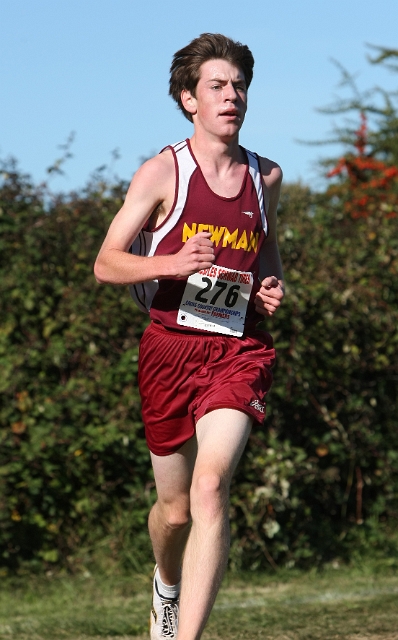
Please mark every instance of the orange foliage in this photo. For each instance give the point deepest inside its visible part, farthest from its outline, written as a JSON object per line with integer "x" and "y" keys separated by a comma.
{"x": 371, "y": 185}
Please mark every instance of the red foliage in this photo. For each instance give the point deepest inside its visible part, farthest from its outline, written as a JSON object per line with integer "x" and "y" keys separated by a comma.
{"x": 371, "y": 185}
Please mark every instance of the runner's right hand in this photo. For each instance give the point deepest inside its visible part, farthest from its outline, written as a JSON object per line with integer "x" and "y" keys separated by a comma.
{"x": 196, "y": 254}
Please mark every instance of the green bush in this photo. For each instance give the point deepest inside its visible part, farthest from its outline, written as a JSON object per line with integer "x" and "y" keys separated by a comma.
{"x": 321, "y": 480}
{"x": 73, "y": 455}
{"x": 317, "y": 482}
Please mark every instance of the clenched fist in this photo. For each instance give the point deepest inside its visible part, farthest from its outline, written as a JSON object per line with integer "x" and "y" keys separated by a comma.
{"x": 196, "y": 254}
{"x": 269, "y": 297}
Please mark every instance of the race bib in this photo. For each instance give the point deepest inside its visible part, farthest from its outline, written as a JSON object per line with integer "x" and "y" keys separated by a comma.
{"x": 216, "y": 300}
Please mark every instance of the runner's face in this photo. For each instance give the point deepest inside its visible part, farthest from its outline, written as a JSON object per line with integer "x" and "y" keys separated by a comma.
{"x": 220, "y": 101}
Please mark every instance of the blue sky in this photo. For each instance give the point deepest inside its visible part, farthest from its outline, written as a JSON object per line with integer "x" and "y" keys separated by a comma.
{"x": 100, "y": 68}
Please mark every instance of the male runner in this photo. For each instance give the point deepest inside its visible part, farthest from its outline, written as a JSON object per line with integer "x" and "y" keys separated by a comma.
{"x": 196, "y": 242}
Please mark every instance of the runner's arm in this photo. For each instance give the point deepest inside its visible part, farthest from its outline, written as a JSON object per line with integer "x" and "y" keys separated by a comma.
{"x": 152, "y": 186}
{"x": 270, "y": 295}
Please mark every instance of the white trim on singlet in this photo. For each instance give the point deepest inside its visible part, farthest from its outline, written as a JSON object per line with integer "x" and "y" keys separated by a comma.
{"x": 147, "y": 242}
{"x": 254, "y": 170}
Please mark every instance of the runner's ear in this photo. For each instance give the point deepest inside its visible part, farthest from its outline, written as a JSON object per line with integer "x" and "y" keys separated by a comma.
{"x": 188, "y": 101}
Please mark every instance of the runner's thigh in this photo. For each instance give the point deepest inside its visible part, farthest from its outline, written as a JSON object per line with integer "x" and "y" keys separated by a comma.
{"x": 173, "y": 473}
{"x": 222, "y": 436}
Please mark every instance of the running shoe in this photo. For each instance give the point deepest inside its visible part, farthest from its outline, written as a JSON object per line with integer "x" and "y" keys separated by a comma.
{"x": 164, "y": 614}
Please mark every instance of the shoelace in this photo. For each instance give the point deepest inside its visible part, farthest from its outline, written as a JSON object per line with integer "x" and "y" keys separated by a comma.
{"x": 170, "y": 618}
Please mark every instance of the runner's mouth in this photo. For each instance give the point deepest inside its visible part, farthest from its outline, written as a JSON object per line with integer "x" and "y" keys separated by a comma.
{"x": 231, "y": 114}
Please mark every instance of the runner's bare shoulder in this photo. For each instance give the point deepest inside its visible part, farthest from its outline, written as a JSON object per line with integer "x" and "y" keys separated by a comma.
{"x": 151, "y": 189}
{"x": 271, "y": 172}
{"x": 272, "y": 177}
{"x": 154, "y": 180}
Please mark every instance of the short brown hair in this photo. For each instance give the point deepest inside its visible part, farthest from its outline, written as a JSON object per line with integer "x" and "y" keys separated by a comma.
{"x": 185, "y": 68}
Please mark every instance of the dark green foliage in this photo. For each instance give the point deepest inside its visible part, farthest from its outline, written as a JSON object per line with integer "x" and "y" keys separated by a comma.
{"x": 320, "y": 479}
{"x": 323, "y": 480}
{"x": 73, "y": 456}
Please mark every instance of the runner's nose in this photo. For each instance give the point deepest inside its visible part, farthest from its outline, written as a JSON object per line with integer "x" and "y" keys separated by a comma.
{"x": 230, "y": 93}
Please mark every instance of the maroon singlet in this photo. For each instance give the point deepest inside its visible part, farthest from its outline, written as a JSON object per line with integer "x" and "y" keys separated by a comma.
{"x": 238, "y": 226}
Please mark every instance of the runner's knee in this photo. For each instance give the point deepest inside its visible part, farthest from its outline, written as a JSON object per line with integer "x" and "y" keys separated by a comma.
{"x": 176, "y": 514}
{"x": 209, "y": 495}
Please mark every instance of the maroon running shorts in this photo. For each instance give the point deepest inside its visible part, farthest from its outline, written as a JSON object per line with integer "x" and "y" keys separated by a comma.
{"x": 183, "y": 376}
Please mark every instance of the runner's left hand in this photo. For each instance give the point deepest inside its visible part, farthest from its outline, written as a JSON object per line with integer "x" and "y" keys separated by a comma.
{"x": 269, "y": 297}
